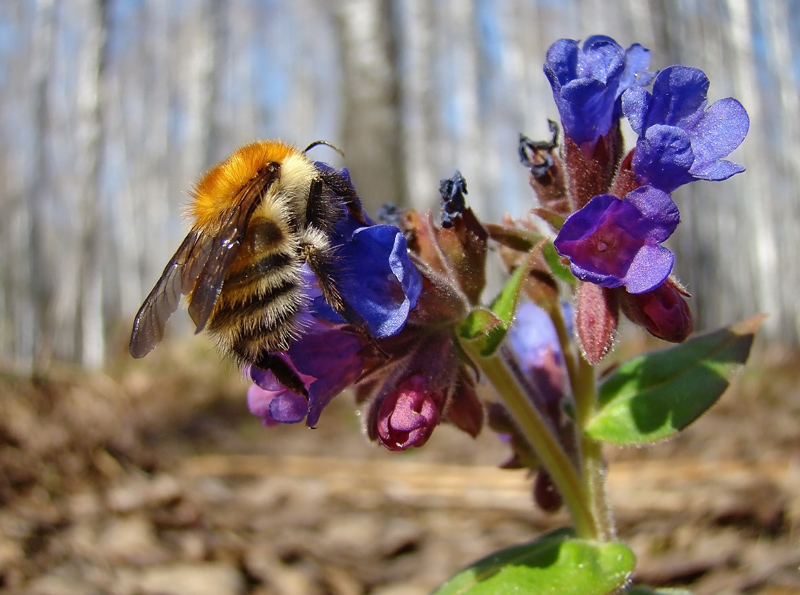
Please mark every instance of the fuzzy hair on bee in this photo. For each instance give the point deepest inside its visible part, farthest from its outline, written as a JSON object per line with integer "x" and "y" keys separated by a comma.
{"x": 257, "y": 217}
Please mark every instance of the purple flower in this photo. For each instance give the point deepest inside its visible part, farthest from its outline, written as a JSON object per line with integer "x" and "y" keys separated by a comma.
{"x": 326, "y": 359}
{"x": 612, "y": 242}
{"x": 588, "y": 81}
{"x": 379, "y": 285}
{"x": 679, "y": 140}
{"x": 537, "y": 351}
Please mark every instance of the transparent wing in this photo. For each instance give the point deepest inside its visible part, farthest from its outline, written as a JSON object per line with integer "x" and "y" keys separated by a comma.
{"x": 198, "y": 268}
{"x": 176, "y": 280}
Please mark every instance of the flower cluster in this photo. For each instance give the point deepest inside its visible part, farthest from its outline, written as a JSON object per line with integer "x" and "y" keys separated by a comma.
{"x": 618, "y": 208}
{"x": 416, "y": 286}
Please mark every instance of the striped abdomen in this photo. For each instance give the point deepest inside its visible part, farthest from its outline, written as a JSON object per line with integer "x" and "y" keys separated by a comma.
{"x": 263, "y": 291}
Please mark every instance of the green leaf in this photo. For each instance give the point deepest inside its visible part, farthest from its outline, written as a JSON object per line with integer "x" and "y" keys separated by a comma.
{"x": 654, "y": 396}
{"x": 553, "y": 260}
{"x": 479, "y": 323}
{"x": 489, "y": 328}
{"x": 555, "y": 563}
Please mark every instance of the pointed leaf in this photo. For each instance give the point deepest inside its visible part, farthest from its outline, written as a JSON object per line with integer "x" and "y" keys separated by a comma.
{"x": 479, "y": 323}
{"x": 555, "y": 563}
{"x": 491, "y": 330}
{"x": 553, "y": 260}
{"x": 654, "y": 396}
{"x": 485, "y": 328}
{"x": 554, "y": 219}
{"x": 516, "y": 238}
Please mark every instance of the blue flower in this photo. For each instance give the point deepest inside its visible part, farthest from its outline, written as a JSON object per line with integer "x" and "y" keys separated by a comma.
{"x": 613, "y": 243}
{"x": 679, "y": 139}
{"x": 588, "y": 81}
{"x": 374, "y": 274}
{"x": 537, "y": 351}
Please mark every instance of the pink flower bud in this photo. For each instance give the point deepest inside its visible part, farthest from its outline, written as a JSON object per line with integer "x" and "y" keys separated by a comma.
{"x": 663, "y": 312}
{"x": 409, "y": 413}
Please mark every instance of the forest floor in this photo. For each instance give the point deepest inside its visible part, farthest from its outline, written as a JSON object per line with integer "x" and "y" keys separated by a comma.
{"x": 153, "y": 478}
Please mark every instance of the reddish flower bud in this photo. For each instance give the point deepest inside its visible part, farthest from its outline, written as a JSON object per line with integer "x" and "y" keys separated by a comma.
{"x": 596, "y": 320}
{"x": 663, "y": 311}
{"x": 545, "y": 493}
{"x": 408, "y": 415}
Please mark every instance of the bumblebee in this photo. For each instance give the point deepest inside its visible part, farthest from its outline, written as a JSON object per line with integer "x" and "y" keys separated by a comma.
{"x": 257, "y": 217}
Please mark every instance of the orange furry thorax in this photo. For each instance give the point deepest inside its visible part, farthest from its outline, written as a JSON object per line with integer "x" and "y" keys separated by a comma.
{"x": 214, "y": 192}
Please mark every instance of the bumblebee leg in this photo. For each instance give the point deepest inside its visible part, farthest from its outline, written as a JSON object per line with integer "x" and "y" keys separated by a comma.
{"x": 282, "y": 371}
{"x": 322, "y": 212}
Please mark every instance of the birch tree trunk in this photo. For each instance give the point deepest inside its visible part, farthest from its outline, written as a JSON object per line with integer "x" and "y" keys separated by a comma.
{"x": 91, "y": 94}
{"x": 39, "y": 273}
{"x": 370, "y": 119}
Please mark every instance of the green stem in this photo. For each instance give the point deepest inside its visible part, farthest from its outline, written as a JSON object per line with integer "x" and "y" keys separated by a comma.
{"x": 584, "y": 390}
{"x": 565, "y": 341}
{"x": 541, "y": 438}
{"x": 593, "y": 467}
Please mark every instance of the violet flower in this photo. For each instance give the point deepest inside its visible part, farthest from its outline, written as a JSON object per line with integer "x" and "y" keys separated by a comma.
{"x": 613, "y": 243}
{"x": 327, "y": 360}
{"x": 679, "y": 139}
{"x": 588, "y": 81}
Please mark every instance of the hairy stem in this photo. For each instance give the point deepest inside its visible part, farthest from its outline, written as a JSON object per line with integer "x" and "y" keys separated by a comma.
{"x": 593, "y": 467}
{"x": 539, "y": 435}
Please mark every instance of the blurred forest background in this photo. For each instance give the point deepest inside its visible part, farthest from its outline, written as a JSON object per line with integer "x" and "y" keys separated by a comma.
{"x": 111, "y": 108}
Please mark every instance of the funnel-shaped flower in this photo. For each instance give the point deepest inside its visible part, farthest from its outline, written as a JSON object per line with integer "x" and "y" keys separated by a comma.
{"x": 613, "y": 243}
{"x": 588, "y": 80}
{"x": 325, "y": 358}
{"x": 679, "y": 139}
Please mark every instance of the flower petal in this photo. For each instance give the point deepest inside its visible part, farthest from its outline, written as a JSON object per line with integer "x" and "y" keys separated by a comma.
{"x": 377, "y": 278}
{"x": 722, "y": 129}
{"x": 650, "y": 268}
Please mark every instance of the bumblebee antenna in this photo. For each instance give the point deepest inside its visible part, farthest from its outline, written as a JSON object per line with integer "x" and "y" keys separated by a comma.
{"x": 316, "y": 143}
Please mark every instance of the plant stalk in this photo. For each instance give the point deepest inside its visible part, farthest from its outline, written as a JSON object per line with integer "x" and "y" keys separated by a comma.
{"x": 538, "y": 433}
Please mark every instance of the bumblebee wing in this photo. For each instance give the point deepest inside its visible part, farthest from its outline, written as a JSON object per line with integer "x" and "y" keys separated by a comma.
{"x": 178, "y": 278}
{"x": 225, "y": 245}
